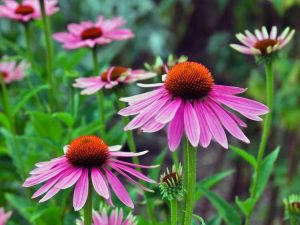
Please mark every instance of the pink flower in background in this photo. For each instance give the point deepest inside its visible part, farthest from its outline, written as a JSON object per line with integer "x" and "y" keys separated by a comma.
{"x": 189, "y": 102}
{"x": 27, "y": 10}
{"x": 4, "y": 216}
{"x": 87, "y": 157}
{"x": 116, "y": 217}
{"x": 10, "y": 71}
{"x": 262, "y": 42}
{"x": 89, "y": 34}
{"x": 111, "y": 78}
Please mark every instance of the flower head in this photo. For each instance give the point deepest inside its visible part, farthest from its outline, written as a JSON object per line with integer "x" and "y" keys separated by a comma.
{"x": 171, "y": 184}
{"x": 116, "y": 217}
{"x": 111, "y": 78}
{"x": 292, "y": 207}
{"x": 27, "y": 10}
{"x": 263, "y": 43}
{"x": 190, "y": 102}
{"x": 89, "y": 34}
{"x": 10, "y": 71}
{"x": 85, "y": 158}
{"x": 4, "y": 216}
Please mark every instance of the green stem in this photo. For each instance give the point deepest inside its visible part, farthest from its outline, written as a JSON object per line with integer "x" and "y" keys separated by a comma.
{"x": 100, "y": 94}
{"x": 88, "y": 208}
{"x": 191, "y": 158}
{"x": 265, "y": 134}
{"x": 173, "y": 204}
{"x": 294, "y": 221}
{"x": 7, "y": 110}
{"x": 49, "y": 53}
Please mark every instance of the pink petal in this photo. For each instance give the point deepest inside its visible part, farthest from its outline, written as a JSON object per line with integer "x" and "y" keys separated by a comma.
{"x": 70, "y": 179}
{"x": 99, "y": 183}
{"x": 81, "y": 190}
{"x": 191, "y": 124}
{"x": 227, "y": 90}
{"x": 128, "y": 154}
{"x": 168, "y": 112}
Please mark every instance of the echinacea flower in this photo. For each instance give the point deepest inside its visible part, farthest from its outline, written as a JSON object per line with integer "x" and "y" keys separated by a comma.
{"x": 111, "y": 78}
{"x": 292, "y": 207}
{"x": 190, "y": 102}
{"x": 87, "y": 157}
{"x": 11, "y": 71}
{"x": 27, "y": 10}
{"x": 116, "y": 217}
{"x": 263, "y": 43}
{"x": 89, "y": 34}
{"x": 4, "y": 216}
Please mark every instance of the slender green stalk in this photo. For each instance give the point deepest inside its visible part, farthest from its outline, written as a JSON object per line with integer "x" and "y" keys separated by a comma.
{"x": 100, "y": 93}
{"x": 7, "y": 110}
{"x": 49, "y": 53}
{"x": 28, "y": 36}
{"x": 265, "y": 134}
{"x": 88, "y": 208}
{"x": 190, "y": 184}
{"x": 130, "y": 138}
{"x": 294, "y": 221}
{"x": 173, "y": 205}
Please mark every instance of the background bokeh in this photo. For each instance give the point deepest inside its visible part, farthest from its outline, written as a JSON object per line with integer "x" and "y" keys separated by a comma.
{"x": 201, "y": 30}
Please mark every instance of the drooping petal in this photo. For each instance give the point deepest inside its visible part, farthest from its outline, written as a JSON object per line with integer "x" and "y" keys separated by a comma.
{"x": 128, "y": 154}
{"x": 191, "y": 124}
{"x": 169, "y": 111}
{"x": 81, "y": 190}
{"x": 99, "y": 183}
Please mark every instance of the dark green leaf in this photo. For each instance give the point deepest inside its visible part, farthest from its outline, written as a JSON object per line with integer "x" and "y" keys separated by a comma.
{"x": 245, "y": 155}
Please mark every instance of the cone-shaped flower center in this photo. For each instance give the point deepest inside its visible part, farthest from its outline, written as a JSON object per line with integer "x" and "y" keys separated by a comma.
{"x": 4, "y": 74}
{"x": 24, "y": 10}
{"x": 91, "y": 33}
{"x": 189, "y": 80}
{"x": 87, "y": 151}
{"x": 115, "y": 73}
{"x": 295, "y": 205}
{"x": 263, "y": 45}
{"x": 170, "y": 178}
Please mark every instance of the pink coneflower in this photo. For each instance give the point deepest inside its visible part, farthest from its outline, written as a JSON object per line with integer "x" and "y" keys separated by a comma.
{"x": 191, "y": 103}
{"x": 116, "y": 217}
{"x": 111, "y": 78}
{"x": 4, "y": 216}
{"x": 262, "y": 42}
{"x": 87, "y": 157}
{"x": 10, "y": 71}
{"x": 89, "y": 34}
{"x": 27, "y": 10}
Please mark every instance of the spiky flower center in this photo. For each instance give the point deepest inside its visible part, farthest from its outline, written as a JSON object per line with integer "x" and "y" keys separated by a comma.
{"x": 170, "y": 178}
{"x": 115, "y": 73}
{"x": 263, "y": 45}
{"x": 189, "y": 80}
{"x": 87, "y": 151}
{"x": 4, "y": 74}
{"x": 24, "y": 10}
{"x": 91, "y": 33}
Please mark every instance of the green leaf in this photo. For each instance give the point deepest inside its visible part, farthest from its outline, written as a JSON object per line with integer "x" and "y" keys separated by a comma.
{"x": 225, "y": 210}
{"x": 216, "y": 220}
{"x": 210, "y": 182}
{"x": 27, "y": 96}
{"x": 246, "y": 206}
{"x": 245, "y": 155}
{"x": 66, "y": 118}
{"x": 4, "y": 120}
{"x": 265, "y": 173}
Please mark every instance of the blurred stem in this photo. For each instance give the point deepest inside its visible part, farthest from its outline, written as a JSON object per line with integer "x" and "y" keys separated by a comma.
{"x": 129, "y": 133}
{"x": 294, "y": 221}
{"x": 191, "y": 157}
{"x": 12, "y": 126}
{"x": 173, "y": 204}
{"x": 28, "y": 36}
{"x": 49, "y": 53}
{"x": 100, "y": 93}
{"x": 265, "y": 134}
{"x": 88, "y": 208}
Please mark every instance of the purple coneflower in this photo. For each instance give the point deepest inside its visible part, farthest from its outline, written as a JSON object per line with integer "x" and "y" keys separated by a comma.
{"x": 87, "y": 157}
{"x": 4, "y": 216}
{"x": 111, "y": 78}
{"x": 89, "y": 34}
{"x": 10, "y": 71}
{"x": 190, "y": 102}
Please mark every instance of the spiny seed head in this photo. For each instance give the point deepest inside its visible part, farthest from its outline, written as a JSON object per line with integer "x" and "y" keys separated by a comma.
{"x": 189, "y": 80}
{"x": 171, "y": 184}
{"x": 115, "y": 73}
{"x": 24, "y": 10}
{"x": 292, "y": 207}
{"x": 87, "y": 151}
{"x": 91, "y": 33}
{"x": 263, "y": 45}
